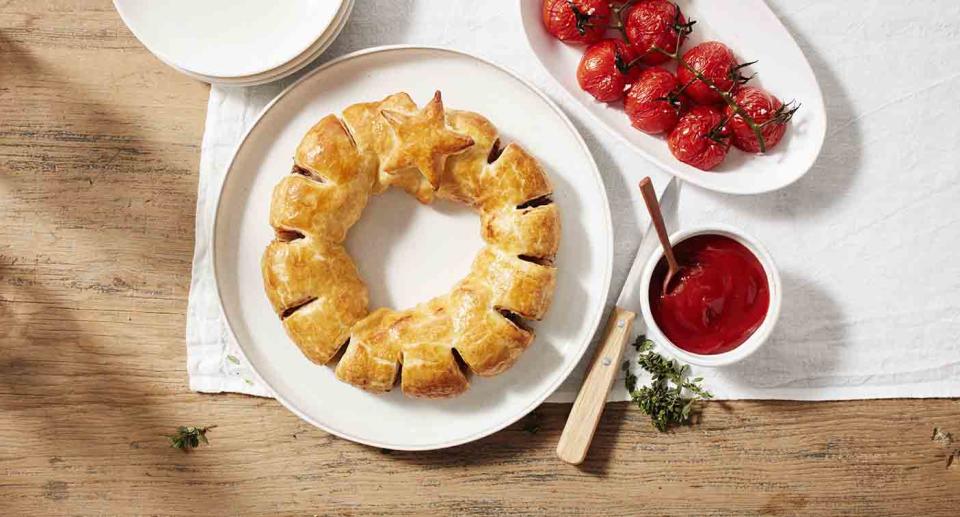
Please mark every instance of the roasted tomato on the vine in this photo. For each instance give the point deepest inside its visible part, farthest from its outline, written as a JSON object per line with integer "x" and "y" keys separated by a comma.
{"x": 698, "y": 139}
{"x": 766, "y": 111}
{"x": 606, "y": 70}
{"x": 716, "y": 62}
{"x": 576, "y": 21}
{"x": 654, "y": 103}
{"x": 655, "y": 23}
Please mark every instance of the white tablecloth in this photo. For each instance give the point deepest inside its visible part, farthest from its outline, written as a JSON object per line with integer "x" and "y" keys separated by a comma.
{"x": 868, "y": 242}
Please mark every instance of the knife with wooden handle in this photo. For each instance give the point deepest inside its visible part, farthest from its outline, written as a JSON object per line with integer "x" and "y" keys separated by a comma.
{"x": 585, "y": 414}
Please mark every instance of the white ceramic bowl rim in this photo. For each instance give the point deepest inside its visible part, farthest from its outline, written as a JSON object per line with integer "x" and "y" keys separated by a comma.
{"x": 758, "y": 337}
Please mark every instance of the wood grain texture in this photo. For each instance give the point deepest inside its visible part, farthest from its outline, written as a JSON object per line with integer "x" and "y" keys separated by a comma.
{"x": 99, "y": 146}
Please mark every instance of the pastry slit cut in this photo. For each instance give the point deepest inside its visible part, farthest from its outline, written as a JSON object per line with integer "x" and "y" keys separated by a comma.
{"x": 540, "y": 261}
{"x": 495, "y": 151}
{"x": 335, "y": 358}
{"x": 535, "y": 202}
{"x": 288, "y": 235}
{"x": 294, "y": 308}
{"x": 514, "y": 318}
{"x": 306, "y": 173}
{"x": 346, "y": 129}
{"x": 464, "y": 367}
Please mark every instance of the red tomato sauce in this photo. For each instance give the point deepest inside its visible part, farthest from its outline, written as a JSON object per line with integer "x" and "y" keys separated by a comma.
{"x": 718, "y": 299}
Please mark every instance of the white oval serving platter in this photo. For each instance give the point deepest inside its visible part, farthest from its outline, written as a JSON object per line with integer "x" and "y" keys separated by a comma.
{"x": 408, "y": 253}
{"x": 754, "y": 32}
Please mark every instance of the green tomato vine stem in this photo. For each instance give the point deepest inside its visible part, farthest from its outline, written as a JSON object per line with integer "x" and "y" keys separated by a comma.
{"x": 675, "y": 56}
{"x": 725, "y": 95}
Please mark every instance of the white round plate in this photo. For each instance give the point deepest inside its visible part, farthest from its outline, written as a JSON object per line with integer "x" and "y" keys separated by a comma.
{"x": 304, "y": 59}
{"x": 227, "y": 38}
{"x": 408, "y": 253}
{"x": 782, "y": 69}
{"x": 293, "y": 66}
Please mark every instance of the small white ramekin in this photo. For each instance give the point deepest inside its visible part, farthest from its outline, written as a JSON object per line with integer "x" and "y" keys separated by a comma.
{"x": 758, "y": 337}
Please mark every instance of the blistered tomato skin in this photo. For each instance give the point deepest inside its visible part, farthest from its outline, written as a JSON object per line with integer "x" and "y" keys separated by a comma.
{"x": 601, "y": 71}
{"x": 762, "y": 107}
{"x": 564, "y": 19}
{"x": 653, "y": 23}
{"x": 691, "y": 142}
{"x": 716, "y": 62}
{"x": 648, "y": 103}
{"x": 719, "y": 300}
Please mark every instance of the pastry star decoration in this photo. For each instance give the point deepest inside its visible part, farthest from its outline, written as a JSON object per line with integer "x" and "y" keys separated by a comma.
{"x": 423, "y": 141}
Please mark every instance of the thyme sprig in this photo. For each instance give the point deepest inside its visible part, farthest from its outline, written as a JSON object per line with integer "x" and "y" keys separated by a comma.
{"x": 671, "y": 398}
{"x": 187, "y": 438}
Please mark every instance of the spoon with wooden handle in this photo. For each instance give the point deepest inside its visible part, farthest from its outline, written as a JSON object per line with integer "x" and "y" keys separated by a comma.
{"x": 653, "y": 207}
{"x": 585, "y": 413}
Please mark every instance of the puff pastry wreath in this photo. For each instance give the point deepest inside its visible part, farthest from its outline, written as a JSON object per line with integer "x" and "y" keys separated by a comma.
{"x": 316, "y": 290}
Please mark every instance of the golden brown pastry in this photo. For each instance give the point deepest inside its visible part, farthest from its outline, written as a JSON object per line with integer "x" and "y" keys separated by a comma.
{"x": 316, "y": 290}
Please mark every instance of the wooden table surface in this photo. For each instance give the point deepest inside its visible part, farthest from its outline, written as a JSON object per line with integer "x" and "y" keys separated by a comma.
{"x": 99, "y": 146}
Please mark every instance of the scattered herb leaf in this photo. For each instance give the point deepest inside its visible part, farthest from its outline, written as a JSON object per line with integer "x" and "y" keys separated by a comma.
{"x": 670, "y": 398}
{"x": 642, "y": 344}
{"x": 233, "y": 359}
{"x": 942, "y": 436}
{"x": 532, "y": 423}
{"x": 945, "y": 439}
{"x": 953, "y": 458}
{"x": 630, "y": 380}
{"x": 187, "y": 438}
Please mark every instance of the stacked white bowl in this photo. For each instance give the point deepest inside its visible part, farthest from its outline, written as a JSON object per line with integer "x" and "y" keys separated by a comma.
{"x": 236, "y": 42}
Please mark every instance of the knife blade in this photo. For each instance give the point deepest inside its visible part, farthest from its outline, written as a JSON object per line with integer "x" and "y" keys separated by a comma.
{"x": 587, "y": 408}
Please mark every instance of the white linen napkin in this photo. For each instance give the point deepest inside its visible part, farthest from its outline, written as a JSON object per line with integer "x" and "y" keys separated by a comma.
{"x": 868, "y": 243}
